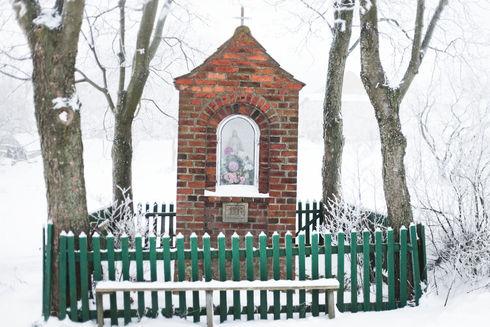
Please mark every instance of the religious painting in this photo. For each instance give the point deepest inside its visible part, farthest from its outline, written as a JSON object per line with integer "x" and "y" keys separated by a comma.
{"x": 237, "y": 151}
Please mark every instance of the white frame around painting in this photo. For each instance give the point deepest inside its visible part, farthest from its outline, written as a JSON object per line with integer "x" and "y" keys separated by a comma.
{"x": 223, "y": 188}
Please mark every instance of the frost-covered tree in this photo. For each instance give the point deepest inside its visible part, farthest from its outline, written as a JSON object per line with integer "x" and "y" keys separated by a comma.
{"x": 386, "y": 99}
{"x": 52, "y": 35}
{"x": 332, "y": 106}
{"x": 133, "y": 74}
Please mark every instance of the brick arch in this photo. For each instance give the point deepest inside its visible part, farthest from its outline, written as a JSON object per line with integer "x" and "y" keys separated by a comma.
{"x": 222, "y": 100}
{"x": 263, "y": 123}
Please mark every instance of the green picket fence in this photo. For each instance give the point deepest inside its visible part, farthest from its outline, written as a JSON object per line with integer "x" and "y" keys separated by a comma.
{"x": 358, "y": 264}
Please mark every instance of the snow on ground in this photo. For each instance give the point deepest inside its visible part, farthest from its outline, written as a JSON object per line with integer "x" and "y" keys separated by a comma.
{"x": 23, "y": 213}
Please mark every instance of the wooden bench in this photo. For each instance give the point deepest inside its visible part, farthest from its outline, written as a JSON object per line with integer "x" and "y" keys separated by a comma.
{"x": 105, "y": 287}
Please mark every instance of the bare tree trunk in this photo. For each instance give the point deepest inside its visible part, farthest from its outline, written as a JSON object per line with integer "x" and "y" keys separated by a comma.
{"x": 386, "y": 100}
{"x": 122, "y": 157}
{"x": 332, "y": 107}
{"x": 393, "y": 145}
{"x": 57, "y": 115}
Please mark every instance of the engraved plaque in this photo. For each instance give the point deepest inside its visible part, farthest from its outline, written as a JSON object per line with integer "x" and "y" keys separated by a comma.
{"x": 235, "y": 212}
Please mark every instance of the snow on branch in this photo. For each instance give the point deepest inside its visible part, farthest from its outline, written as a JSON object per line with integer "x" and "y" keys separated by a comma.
{"x": 50, "y": 18}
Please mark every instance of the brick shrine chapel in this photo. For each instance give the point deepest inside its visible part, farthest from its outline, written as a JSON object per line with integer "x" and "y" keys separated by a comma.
{"x": 237, "y": 143}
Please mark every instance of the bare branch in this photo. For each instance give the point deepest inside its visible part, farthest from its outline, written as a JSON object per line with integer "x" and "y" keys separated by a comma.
{"x": 157, "y": 35}
{"x": 102, "y": 89}
{"x": 419, "y": 46}
{"x": 158, "y": 108}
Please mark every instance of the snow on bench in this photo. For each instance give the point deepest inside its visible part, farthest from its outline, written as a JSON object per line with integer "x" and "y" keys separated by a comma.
{"x": 104, "y": 287}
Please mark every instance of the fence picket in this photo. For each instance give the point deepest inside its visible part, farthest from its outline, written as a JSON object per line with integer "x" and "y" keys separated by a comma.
{"x": 366, "y": 270}
{"x": 153, "y": 270}
{"x": 181, "y": 274}
{"x": 235, "y": 257}
{"x": 276, "y": 274}
{"x": 263, "y": 273}
{"x": 167, "y": 272}
{"x": 96, "y": 257}
{"x": 84, "y": 277}
{"x": 422, "y": 253}
{"x": 327, "y": 237}
{"x": 138, "y": 243}
{"x": 289, "y": 274}
{"x": 353, "y": 271}
{"x": 196, "y": 308}
{"x": 340, "y": 270}
{"x": 403, "y": 267}
{"x": 112, "y": 276}
{"x": 47, "y": 264}
{"x": 307, "y": 222}
{"x": 302, "y": 273}
{"x": 390, "y": 261}
{"x": 62, "y": 277}
{"x": 125, "y": 275}
{"x": 415, "y": 263}
{"x": 72, "y": 276}
{"x": 314, "y": 270}
{"x": 378, "y": 247}
{"x": 223, "y": 307}
{"x": 250, "y": 273}
{"x": 208, "y": 274}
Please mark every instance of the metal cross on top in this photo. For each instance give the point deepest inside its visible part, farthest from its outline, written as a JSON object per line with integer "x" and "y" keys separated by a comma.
{"x": 242, "y": 16}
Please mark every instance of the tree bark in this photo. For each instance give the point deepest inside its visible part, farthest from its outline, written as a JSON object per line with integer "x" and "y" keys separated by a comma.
{"x": 56, "y": 108}
{"x": 332, "y": 107}
{"x": 393, "y": 146}
{"x": 122, "y": 157}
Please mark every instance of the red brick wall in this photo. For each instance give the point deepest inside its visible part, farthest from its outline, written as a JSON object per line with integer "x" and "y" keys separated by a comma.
{"x": 240, "y": 78}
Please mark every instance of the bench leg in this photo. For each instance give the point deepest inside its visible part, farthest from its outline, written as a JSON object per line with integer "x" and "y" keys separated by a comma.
{"x": 209, "y": 308}
{"x": 331, "y": 304}
{"x": 100, "y": 309}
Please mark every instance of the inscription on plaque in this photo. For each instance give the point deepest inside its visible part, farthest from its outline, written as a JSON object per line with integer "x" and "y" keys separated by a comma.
{"x": 235, "y": 212}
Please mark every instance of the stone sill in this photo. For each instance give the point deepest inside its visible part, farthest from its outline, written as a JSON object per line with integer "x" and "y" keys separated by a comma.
{"x": 236, "y": 192}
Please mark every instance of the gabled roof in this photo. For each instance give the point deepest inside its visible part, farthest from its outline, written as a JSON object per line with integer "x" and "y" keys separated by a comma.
{"x": 242, "y": 46}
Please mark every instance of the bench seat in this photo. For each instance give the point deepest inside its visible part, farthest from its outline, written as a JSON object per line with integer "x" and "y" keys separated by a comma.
{"x": 106, "y": 287}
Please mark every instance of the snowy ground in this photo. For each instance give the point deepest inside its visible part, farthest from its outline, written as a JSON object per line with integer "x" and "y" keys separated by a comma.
{"x": 23, "y": 212}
